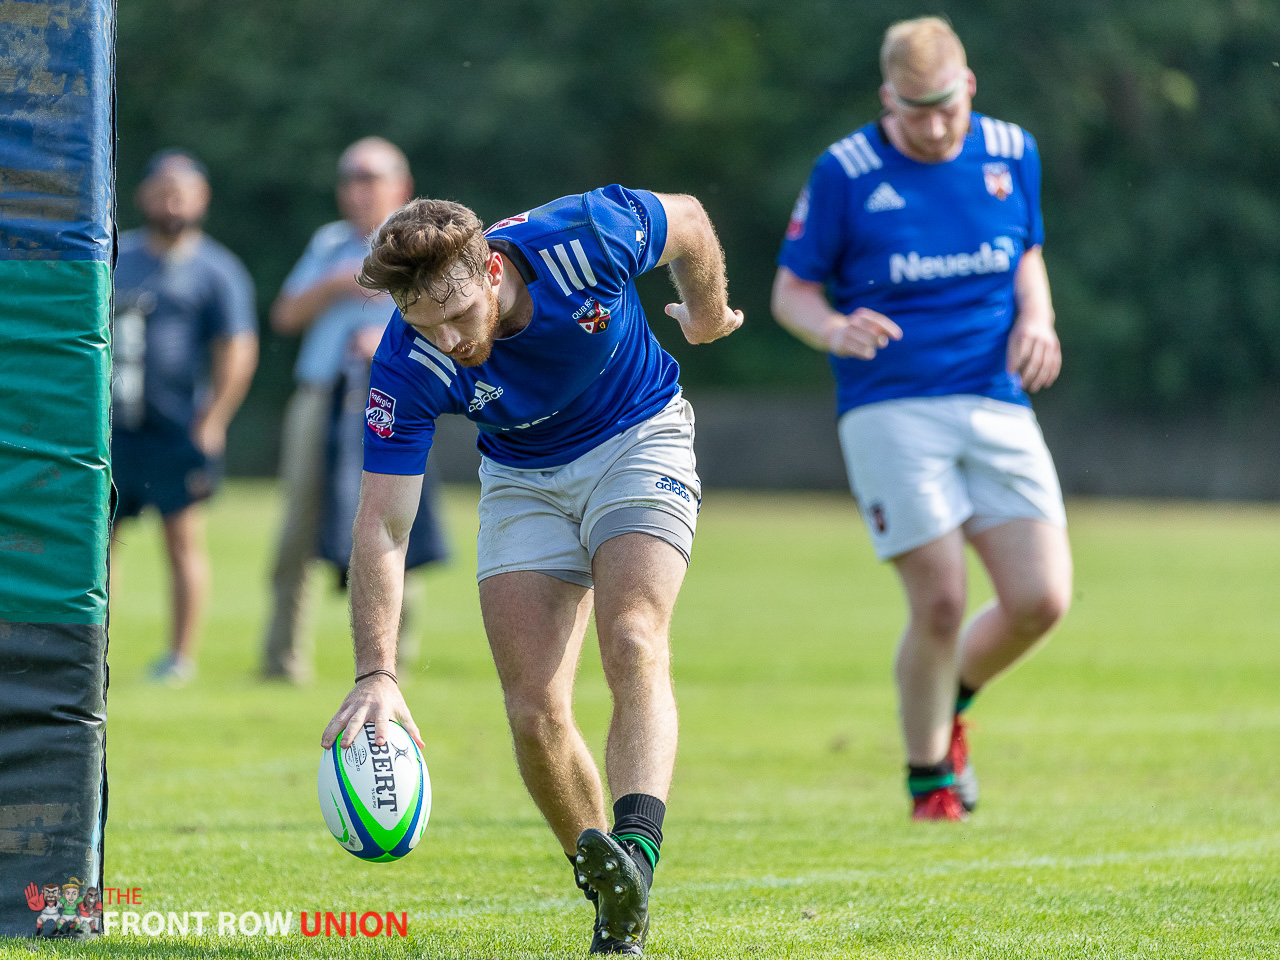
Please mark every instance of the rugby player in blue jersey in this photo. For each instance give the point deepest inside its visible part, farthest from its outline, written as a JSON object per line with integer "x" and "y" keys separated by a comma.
{"x": 589, "y": 493}
{"x": 913, "y": 258}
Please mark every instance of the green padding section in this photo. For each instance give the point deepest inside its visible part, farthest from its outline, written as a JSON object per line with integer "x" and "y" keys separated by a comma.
{"x": 55, "y": 471}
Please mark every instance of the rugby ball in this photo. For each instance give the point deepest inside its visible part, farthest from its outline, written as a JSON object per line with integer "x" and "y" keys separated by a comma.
{"x": 375, "y": 799}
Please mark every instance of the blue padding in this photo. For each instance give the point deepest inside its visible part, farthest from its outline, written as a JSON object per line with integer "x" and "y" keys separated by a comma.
{"x": 56, "y": 140}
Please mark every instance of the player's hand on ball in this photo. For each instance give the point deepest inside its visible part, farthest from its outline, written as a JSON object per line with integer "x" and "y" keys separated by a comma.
{"x": 1035, "y": 354}
{"x": 861, "y": 334}
{"x": 701, "y": 331}
{"x": 377, "y": 698}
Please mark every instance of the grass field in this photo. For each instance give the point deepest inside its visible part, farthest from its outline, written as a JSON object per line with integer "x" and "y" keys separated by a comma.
{"x": 1130, "y": 807}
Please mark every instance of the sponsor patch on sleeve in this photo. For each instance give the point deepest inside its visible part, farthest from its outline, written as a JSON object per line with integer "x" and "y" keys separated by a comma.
{"x": 799, "y": 215}
{"x": 381, "y": 413}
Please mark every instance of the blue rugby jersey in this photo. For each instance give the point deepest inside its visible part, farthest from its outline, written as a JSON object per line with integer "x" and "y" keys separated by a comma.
{"x": 586, "y": 368}
{"x": 932, "y": 246}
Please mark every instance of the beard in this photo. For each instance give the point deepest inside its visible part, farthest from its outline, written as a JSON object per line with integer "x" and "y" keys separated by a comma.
{"x": 479, "y": 350}
{"x": 172, "y": 226}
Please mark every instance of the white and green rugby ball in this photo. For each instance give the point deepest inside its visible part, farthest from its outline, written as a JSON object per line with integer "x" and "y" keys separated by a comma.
{"x": 375, "y": 799}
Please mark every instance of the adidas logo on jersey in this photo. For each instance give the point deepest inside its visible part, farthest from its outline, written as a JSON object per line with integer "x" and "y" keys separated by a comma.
{"x": 484, "y": 393}
{"x": 882, "y": 198}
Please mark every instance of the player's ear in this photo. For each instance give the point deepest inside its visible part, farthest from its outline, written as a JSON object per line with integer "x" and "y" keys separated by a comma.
{"x": 494, "y": 267}
{"x": 971, "y": 82}
{"x": 886, "y": 96}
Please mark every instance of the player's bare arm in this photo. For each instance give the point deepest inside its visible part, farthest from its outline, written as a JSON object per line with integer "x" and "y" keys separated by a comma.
{"x": 801, "y": 306}
{"x": 295, "y": 313}
{"x": 1034, "y": 351}
{"x": 234, "y": 360}
{"x": 697, "y": 266}
{"x": 388, "y": 504}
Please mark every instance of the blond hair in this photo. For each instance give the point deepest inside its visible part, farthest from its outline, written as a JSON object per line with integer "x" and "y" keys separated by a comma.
{"x": 914, "y": 49}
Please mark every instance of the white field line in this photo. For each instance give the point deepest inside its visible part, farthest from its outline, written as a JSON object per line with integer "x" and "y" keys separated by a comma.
{"x": 1200, "y": 851}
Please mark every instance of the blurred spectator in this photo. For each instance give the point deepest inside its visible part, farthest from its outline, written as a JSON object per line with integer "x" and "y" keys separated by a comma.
{"x": 341, "y": 324}
{"x": 185, "y": 346}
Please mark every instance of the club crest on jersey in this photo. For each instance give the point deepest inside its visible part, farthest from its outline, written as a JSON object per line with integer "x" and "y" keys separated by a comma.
{"x": 508, "y": 222}
{"x": 380, "y": 414}
{"x": 596, "y": 319}
{"x": 998, "y": 179}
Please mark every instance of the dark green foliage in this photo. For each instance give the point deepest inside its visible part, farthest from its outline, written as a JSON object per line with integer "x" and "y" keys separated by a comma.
{"x": 1157, "y": 121}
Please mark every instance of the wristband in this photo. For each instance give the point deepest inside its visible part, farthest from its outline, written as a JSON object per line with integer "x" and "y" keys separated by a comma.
{"x": 374, "y": 673}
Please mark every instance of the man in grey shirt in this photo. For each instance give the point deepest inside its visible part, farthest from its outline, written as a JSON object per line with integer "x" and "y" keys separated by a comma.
{"x": 322, "y": 301}
{"x": 184, "y": 345}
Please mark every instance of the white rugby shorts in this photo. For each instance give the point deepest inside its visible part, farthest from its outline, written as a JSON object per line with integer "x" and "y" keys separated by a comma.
{"x": 924, "y": 466}
{"x": 553, "y": 520}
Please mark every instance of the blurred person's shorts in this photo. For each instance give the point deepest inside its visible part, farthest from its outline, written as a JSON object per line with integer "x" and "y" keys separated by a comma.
{"x": 164, "y": 470}
{"x": 923, "y": 466}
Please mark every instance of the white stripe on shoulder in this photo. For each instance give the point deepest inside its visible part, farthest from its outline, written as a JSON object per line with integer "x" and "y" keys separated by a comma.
{"x": 583, "y": 262}
{"x": 856, "y": 155}
{"x": 427, "y": 362}
{"x": 568, "y": 267}
{"x": 440, "y": 355}
{"x": 1019, "y": 141}
{"x": 1003, "y": 139}
{"x": 555, "y": 271}
{"x": 863, "y": 148}
{"x": 842, "y": 153}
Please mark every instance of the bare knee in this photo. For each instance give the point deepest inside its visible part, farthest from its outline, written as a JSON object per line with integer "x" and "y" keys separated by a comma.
{"x": 537, "y": 719}
{"x": 634, "y": 650}
{"x": 938, "y": 616}
{"x": 1036, "y": 613}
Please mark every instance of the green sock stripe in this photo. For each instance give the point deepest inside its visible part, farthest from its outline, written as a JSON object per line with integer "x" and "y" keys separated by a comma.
{"x": 644, "y": 843}
{"x": 922, "y": 785}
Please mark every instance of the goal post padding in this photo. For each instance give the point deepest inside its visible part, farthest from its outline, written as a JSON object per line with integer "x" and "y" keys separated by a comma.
{"x": 57, "y": 199}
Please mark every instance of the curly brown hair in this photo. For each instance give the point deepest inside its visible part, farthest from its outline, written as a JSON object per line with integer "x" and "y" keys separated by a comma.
{"x": 431, "y": 247}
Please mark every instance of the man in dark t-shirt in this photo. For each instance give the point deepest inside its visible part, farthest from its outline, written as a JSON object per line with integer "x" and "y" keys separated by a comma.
{"x": 185, "y": 345}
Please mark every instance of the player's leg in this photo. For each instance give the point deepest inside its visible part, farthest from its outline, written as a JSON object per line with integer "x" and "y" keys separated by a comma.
{"x": 934, "y": 580}
{"x": 638, "y": 578}
{"x": 639, "y": 524}
{"x": 1018, "y": 529}
{"x": 1029, "y": 562}
{"x": 287, "y": 645}
{"x": 903, "y": 463}
{"x": 535, "y": 625}
{"x": 184, "y": 539}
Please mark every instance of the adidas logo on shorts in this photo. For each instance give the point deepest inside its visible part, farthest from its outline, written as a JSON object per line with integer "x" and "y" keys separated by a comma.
{"x": 882, "y": 198}
{"x": 673, "y": 486}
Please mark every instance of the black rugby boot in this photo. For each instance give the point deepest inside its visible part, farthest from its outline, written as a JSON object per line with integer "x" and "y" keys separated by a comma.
{"x": 622, "y": 904}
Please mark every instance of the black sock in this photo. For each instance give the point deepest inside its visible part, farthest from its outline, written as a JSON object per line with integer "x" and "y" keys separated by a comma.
{"x": 922, "y": 780}
{"x": 964, "y": 696}
{"x": 637, "y": 822}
